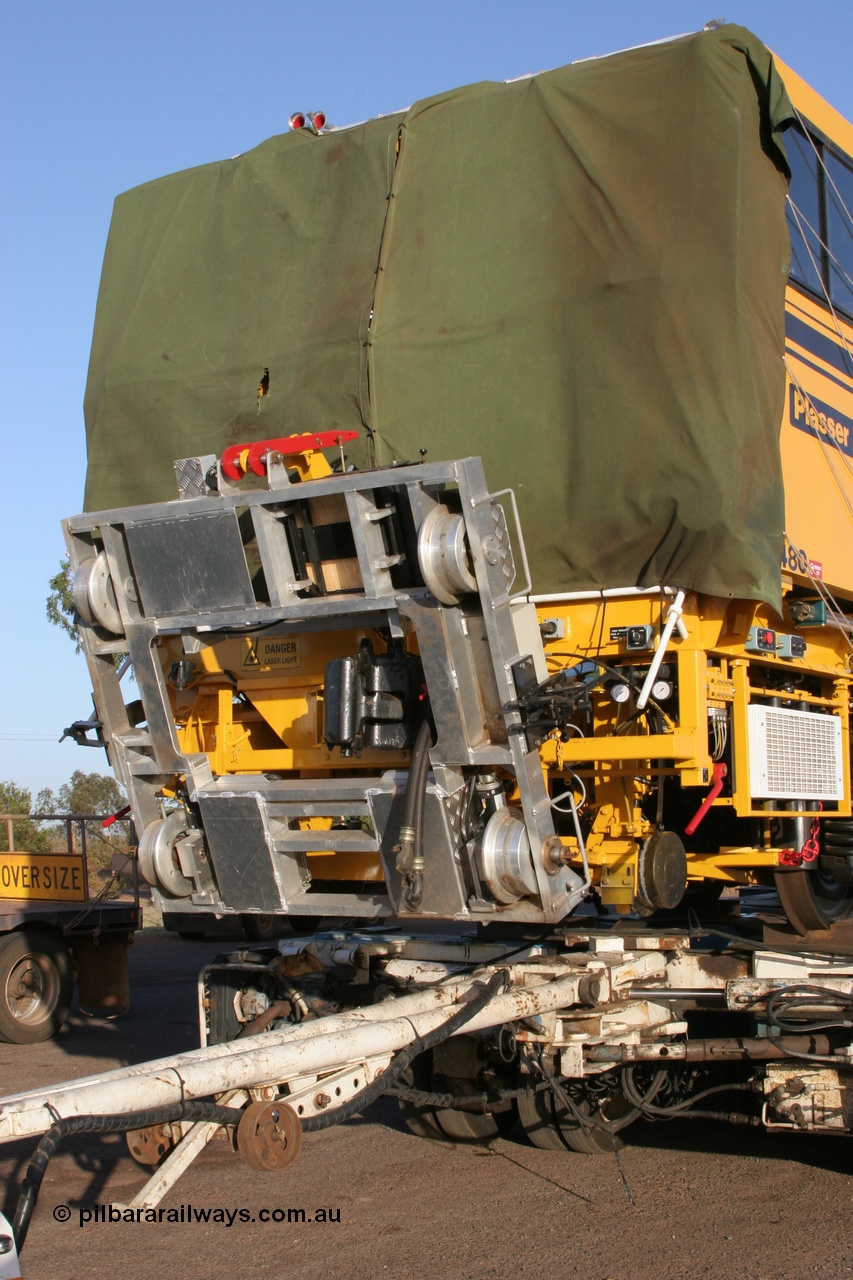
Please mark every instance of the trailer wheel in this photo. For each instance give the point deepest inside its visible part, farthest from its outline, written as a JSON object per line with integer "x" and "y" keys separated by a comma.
{"x": 266, "y": 926}
{"x": 450, "y": 1123}
{"x": 36, "y": 986}
{"x": 549, "y": 1125}
{"x": 474, "y": 1126}
{"x": 539, "y": 1121}
{"x": 262, "y": 926}
{"x": 420, "y": 1120}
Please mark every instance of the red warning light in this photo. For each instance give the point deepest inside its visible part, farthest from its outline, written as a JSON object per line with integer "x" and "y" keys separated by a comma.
{"x": 297, "y": 120}
{"x": 318, "y": 119}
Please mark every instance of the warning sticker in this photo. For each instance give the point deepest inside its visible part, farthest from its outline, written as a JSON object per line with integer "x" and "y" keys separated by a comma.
{"x": 276, "y": 653}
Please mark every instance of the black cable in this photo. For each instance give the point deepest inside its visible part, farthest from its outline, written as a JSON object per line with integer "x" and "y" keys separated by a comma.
{"x": 812, "y": 995}
{"x": 591, "y": 1121}
{"x": 60, "y": 1129}
{"x": 311, "y": 1124}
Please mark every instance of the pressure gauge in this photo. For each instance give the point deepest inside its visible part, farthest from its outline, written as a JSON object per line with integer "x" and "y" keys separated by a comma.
{"x": 661, "y": 690}
{"x": 620, "y": 692}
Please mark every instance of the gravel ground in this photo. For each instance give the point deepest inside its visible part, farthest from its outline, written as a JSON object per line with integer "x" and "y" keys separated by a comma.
{"x": 705, "y": 1200}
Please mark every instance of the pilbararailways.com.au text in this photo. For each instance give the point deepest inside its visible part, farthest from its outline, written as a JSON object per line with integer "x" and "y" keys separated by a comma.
{"x": 191, "y": 1214}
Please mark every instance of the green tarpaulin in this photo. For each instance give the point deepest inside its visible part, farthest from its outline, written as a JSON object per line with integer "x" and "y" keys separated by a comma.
{"x": 579, "y": 276}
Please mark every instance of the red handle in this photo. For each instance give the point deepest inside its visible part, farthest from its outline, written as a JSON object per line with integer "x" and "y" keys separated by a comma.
{"x": 720, "y": 771}
{"x": 114, "y": 817}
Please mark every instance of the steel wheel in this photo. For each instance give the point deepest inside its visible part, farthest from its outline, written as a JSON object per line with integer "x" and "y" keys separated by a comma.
{"x": 35, "y": 986}
{"x": 813, "y": 899}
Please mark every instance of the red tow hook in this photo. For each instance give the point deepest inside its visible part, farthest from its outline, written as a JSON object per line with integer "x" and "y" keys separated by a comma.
{"x": 720, "y": 771}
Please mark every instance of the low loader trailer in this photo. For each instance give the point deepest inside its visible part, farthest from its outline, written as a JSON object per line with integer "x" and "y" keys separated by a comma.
{"x": 574, "y": 1035}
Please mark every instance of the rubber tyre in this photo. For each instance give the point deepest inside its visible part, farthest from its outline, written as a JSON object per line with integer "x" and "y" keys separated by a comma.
{"x": 170, "y": 919}
{"x": 549, "y": 1127}
{"x": 420, "y": 1121}
{"x": 36, "y": 986}
{"x": 304, "y": 924}
{"x": 474, "y": 1126}
{"x": 539, "y": 1121}
{"x": 590, "y": 1142}
{"x": 262, "y": 927}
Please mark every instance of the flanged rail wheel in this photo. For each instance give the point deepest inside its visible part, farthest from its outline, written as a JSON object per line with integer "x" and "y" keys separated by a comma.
{"x": 813, "y": 898}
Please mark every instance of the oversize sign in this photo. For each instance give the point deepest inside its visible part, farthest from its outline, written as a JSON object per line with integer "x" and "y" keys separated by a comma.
{"x": 45, "y": 877}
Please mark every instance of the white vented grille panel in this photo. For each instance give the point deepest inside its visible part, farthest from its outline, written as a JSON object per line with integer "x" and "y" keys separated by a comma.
{"x": 794, "y": 755}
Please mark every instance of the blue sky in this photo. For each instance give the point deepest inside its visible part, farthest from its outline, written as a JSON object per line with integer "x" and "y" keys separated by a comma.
{"x": 98, "y": 97}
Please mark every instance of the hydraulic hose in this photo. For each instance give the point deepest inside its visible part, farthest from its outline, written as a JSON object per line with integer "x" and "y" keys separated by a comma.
{"x": 681, "y": 1109}
{"x": 410, "y": 861}
{"x": 498, "y": 982}
{"x": 477, "y": 1102}
{"x": 61, "y": 1129}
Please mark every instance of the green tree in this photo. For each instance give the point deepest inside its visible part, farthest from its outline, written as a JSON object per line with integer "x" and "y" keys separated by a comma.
{"x": 60, "y": 603}
{"x": 91, "y": 793}
{"x": 85, "y": 793}
{"x": 27, "y": 836}
{"x": 61, "y": 611}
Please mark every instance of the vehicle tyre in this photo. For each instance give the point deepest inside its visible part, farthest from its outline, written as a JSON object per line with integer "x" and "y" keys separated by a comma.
{"x": 549, "y": 1125}
{"x": 36, "y": 986}
{"x": 262, "y": 926}
{"x": 420, "y": 1120}
{"x": 474, "y": 1126}
{"x": 304, "y": 924}
{"x": 183, "y": 924}
{"x": 540, "y": 1122}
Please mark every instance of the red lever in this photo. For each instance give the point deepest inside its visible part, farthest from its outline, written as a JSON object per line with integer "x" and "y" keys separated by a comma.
{"x": 720, "y": 771}
{"x": 114, "y": 817}
{"x": 288, "y": 446}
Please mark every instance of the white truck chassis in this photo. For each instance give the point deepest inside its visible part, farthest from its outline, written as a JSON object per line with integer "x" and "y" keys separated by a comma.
{"x": 578, "y": 1035}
